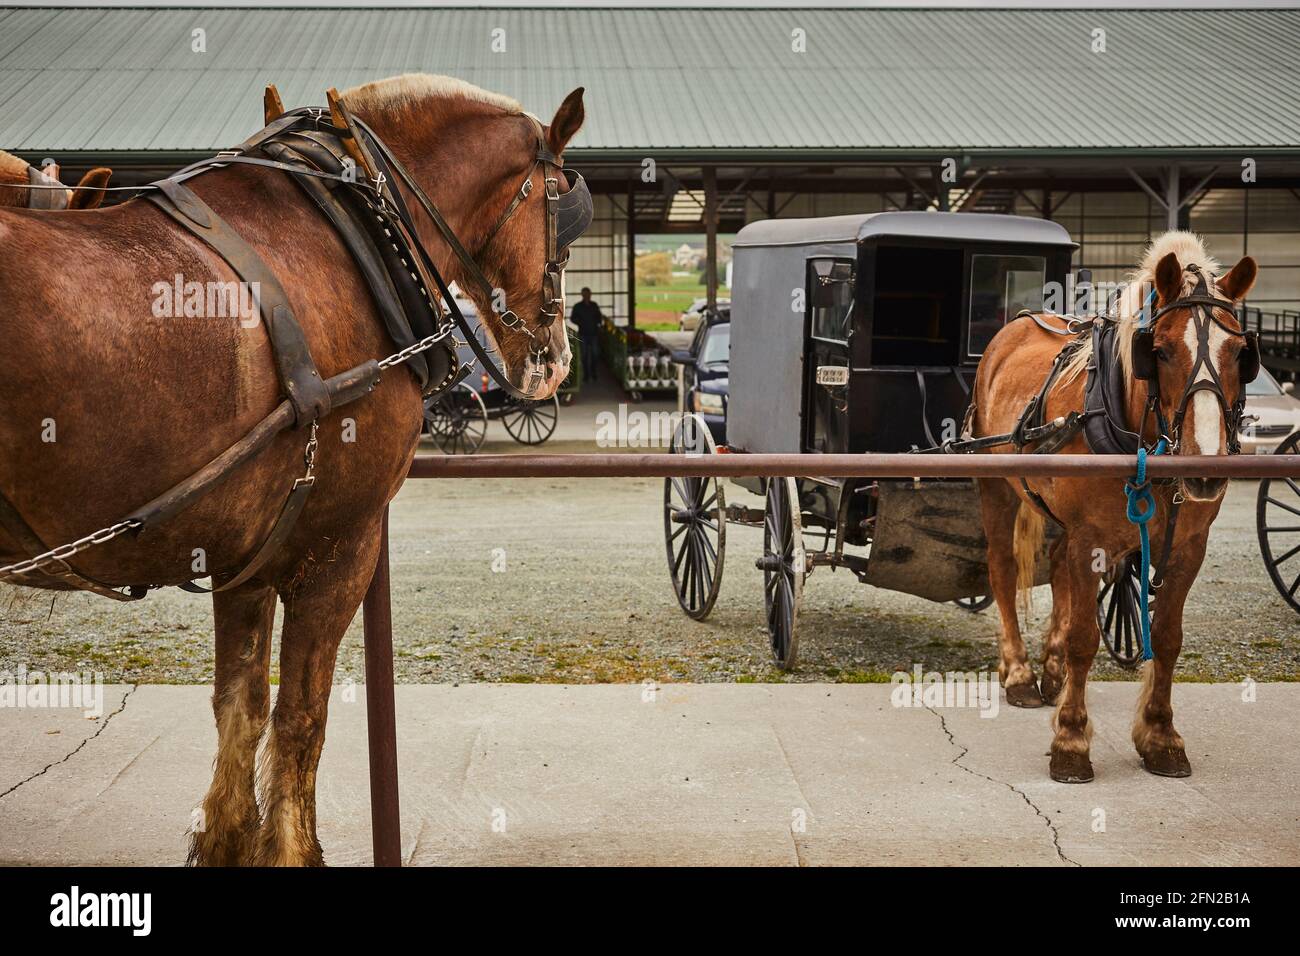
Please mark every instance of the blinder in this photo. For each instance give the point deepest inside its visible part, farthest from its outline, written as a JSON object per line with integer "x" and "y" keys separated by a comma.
{"x": 574, "y": 210}
{"x": 45, "y": 197}
{"x": 1144, "y": 354}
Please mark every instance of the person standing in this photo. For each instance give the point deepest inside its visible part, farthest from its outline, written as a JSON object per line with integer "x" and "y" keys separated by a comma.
{"x": 587, "y": 317}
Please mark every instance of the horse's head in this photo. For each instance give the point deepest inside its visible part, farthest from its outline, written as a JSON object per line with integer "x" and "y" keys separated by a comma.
{"x": 495, "y": 173}
{"x": 17, "y": 179}
{"x": 1198, "y": 360}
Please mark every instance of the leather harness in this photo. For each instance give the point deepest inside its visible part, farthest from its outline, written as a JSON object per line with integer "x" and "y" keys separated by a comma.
{"x": 1102, "y": 418}
{"x": 351, "y": 177}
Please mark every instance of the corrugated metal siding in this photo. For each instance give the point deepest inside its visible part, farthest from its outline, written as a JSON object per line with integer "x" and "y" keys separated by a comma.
{"x": 98, "y": 79}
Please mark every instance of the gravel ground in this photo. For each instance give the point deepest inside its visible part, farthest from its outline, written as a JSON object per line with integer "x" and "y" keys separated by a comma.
{"x": 580, "y": 593}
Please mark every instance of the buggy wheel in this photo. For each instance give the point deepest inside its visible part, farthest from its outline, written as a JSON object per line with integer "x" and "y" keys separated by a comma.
{"x": 1119, "y": 610}
{"x": 530, "y": 423}
{"x": 1277, "y": 516}
{"x": 974, "y": 604}
{"x": 457, "y": 421}
{"x": 695, "y": 525}
{"x": 783, "y": 565}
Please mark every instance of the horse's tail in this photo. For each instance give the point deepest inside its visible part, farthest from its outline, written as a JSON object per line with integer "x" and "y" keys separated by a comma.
{"x": 1031, "y": 526}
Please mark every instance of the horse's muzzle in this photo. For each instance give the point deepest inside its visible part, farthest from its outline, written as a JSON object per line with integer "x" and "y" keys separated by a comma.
{"x": 1204, "y": 489}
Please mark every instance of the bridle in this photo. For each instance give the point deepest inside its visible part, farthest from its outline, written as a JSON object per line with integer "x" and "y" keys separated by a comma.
{"x": 567, "y": 216}
{"x": 1203, "y": 375}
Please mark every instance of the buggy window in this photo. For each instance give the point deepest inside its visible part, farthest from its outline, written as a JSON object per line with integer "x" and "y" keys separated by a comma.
{"x": 916, "y": 306}
{"x": 1000, "y": 286}
{"x": 830, "y": 295}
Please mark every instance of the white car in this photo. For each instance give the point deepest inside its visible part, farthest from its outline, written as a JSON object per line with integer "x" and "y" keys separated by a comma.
{"x": 690, "y": 319}
{"x": 1272, "y": 413}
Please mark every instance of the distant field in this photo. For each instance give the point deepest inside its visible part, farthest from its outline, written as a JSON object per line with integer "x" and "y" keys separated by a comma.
{"x": 660, "y": 306}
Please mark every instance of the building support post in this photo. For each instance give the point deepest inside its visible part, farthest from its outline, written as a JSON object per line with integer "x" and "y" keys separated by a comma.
{"x": 1173, "y": 205}
{"x": 711, "y": 235}
{"x": 631, "y": 254}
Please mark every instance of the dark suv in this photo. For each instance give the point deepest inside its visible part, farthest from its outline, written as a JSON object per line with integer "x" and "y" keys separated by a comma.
{"x": 706, "y": 371}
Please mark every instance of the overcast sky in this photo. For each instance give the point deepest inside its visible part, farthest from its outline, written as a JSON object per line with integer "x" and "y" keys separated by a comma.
{"x": 1032, "y": 4}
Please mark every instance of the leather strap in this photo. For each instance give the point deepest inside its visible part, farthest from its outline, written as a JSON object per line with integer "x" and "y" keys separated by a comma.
{"x": 280, "y": 532}
{"x": 297, "y": 371}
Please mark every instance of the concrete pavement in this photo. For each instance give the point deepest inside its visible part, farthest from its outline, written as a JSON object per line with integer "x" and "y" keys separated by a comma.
{"x": 689, "y": 774}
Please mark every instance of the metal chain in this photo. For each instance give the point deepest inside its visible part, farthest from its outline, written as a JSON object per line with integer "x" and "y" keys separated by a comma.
{"x": 397, "y": 358}
{"x": 62, "y": 552}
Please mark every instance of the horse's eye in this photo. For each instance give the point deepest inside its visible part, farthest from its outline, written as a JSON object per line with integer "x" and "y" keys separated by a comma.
{"x": 1162, "y": 353}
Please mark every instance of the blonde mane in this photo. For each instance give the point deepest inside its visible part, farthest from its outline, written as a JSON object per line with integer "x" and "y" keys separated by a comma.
{"x": 397, "y": 91}
{"x": 1190, "y": 248}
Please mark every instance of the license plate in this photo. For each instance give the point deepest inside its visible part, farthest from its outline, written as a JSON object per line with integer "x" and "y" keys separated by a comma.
{"x": 832, "y": 375}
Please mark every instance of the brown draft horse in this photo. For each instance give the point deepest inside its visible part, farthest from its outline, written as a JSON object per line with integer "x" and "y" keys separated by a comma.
{"x": 137, "y": 403}
{"x": 15, "y": 180}
{"x": 1096, "y": 534}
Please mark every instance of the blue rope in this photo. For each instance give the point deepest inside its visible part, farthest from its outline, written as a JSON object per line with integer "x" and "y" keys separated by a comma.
{"x": 1139, "y": 493}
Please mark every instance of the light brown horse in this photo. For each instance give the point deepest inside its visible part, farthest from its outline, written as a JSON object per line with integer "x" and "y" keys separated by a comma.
{"x": 103, "y": 406}
{"x": 16, "y": 177}
{"x": 1096, "y": 534}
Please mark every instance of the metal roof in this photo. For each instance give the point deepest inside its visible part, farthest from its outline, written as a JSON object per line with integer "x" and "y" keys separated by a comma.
{"x": 708, "y": 82}
{"x": 959, "y": 226}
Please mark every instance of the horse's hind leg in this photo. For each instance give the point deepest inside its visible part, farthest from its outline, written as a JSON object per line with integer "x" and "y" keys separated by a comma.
{"x": 1054, "y": 638}
{"x": 318, "y": 608}
{"x": 999, "y": 506}
{"x": 225, "y": 831}
{"x": 1158, "y": 743}
{"x": 1070, "y": 762}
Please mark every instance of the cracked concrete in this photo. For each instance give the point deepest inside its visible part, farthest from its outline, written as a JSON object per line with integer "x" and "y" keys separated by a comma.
{"x": 807, "y": 774}
{"x": 956, "y": 761}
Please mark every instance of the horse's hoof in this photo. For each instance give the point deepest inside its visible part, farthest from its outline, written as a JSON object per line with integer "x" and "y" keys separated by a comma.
{"x": 1050, "y": 687}
{"x": 1024, "y": 695}
{"x": 1169, "y": 762}
{"x": 1067, "y": 767}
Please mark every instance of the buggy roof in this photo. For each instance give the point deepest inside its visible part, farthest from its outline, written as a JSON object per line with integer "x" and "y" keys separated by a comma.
{"x": 959, "y": 226}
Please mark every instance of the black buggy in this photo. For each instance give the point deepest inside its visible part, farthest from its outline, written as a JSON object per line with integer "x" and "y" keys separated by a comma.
{"x": 857, "y": 334}
{"x": 457, "y": 420}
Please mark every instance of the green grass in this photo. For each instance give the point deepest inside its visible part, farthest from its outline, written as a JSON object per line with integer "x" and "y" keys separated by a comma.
{"x": 659, "y": 306}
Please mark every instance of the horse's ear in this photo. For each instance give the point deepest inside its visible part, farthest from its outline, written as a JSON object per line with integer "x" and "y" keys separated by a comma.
{"x": 567, "y": 122}
{"x": 90, "y": 198}
{"x": 1169, "y": 278}
{"x": 1239, "y": 280}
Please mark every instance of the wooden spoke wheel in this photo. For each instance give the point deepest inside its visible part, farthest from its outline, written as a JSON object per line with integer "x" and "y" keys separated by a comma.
{"x": 695, "y": 524}
{"x": 783, "y": 564}
{"x": 1119, "y": 612}
{"x": 974, "y": 604}
{"x": 1278, "y": 518}
{"x": 457, "y": 421}
{"x": 530, "y": 423}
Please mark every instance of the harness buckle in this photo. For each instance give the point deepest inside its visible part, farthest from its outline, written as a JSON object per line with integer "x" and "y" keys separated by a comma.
{"x": 552, "y": 189}
{"x": 526, "y": 189}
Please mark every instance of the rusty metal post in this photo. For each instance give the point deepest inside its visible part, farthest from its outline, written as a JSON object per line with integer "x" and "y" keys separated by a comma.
{"x": 381, "y": 714}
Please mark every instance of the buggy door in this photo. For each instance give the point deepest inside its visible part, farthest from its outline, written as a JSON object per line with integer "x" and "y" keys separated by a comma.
{"x": 830, "y": 296}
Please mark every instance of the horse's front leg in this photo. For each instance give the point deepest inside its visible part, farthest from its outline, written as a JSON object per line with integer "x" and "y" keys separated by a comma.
{"x": 1158, "y": 744}
{"x": 318, "y": 608}
{"x": 1054, "y": 638}
{"x": 226, "y": 826}
{"x": 1070, "y": 762}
